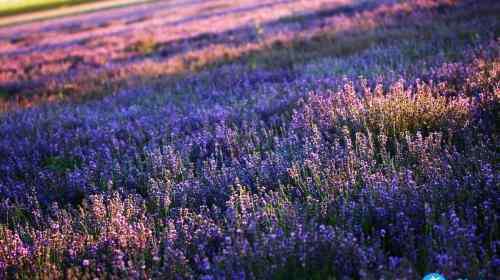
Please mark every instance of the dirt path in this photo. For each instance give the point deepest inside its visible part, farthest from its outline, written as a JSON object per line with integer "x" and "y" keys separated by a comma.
{"x": 65, "y": 11}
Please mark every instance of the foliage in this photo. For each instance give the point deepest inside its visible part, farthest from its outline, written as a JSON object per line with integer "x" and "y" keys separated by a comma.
{"x": 374, "y": 163}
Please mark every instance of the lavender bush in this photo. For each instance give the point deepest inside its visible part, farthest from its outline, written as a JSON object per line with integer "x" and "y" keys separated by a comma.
{"x": 361, "y": 144}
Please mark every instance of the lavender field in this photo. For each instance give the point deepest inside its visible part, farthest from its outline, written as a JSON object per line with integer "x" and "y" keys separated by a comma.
{"x": 252, "y": 139}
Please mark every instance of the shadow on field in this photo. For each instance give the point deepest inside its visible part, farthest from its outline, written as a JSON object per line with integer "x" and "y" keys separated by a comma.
{"x": 244, "y": 46}
{"x": 148, "y": 49}
{"x": 243, "y": 35}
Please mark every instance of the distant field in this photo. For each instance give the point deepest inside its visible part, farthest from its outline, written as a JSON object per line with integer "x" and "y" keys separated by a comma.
{"x": 20, "y": 12}
{"x": 9, "y": 8}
